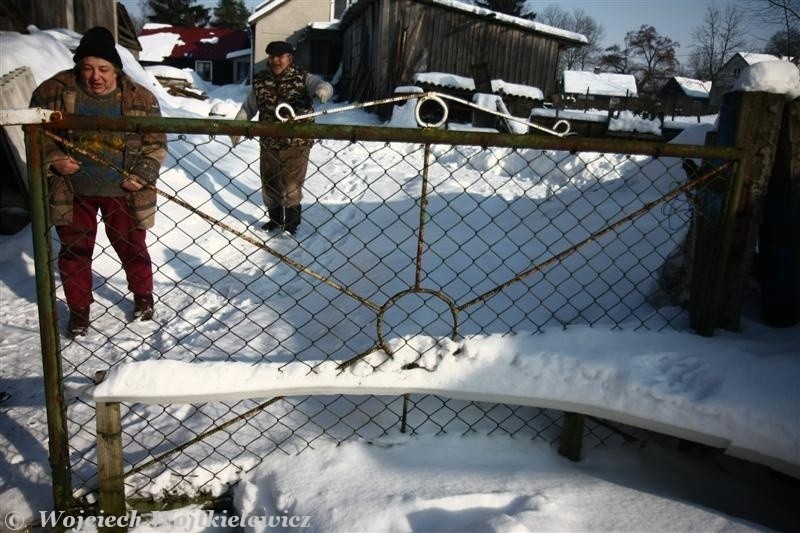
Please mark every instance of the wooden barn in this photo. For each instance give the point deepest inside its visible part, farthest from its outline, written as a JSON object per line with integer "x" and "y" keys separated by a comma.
{"x": 686, "y": 96}
{"x": 386, "y": 42}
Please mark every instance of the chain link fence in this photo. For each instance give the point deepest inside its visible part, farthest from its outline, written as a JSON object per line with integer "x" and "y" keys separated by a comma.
{"x": 441, "y": 234}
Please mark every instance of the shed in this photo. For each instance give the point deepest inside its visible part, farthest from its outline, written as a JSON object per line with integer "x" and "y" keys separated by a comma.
{"x": 214, "y": 53}
{"x": 319, "y": 48}
{"x": 301, "y": 23}
{"x": 387, "y": 41}
{"x": 686, "y": 96}
{"x": 601, "y": 90}
{"x": 728, "y": 74}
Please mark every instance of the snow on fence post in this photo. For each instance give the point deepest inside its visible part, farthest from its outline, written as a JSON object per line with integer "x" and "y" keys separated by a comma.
{"x": 110, "y": 480}
{"x": 729, "y": 214}
{"x": 778, "y": 265}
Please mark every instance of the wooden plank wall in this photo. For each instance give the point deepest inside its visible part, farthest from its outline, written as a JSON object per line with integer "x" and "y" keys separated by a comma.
{"x": 401, "y": 37}
{"x": 77, "y": 15}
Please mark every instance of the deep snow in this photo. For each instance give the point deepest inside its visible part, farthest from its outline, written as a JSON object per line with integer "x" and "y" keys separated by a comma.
{"x": 735, "y": 389}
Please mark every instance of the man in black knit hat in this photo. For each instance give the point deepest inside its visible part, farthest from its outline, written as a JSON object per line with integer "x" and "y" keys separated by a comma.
{"x": 80, "y": 187}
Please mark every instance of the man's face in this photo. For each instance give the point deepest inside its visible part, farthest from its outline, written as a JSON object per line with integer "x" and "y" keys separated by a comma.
{"x": 98, "y": 76}
{"x": 279, "y": 62}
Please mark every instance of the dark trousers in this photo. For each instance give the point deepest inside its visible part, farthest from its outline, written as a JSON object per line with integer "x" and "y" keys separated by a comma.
{"x": 283, "y": 173}
{"x": 77, "y": 247}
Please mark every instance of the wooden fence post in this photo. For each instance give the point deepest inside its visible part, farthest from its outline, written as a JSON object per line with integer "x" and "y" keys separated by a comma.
{"x": 572, "y": 436}
{"x": 109, "y": 461}
{"x": 779, "y": 240}
{"x": 729, "y": 215}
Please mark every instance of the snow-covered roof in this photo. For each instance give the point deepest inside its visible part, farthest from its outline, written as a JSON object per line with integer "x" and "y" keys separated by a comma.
{"x": 157, "y": 46}
{"x": 323, "y": 25}
{"x": 694, "y": 88}
{"x": 517, "y": 21}
{"x": 515, "y": 89}
{"x": 443, "y": 79}
{"x": 453, "y": 81}
{"x": 601, "y": 84}
{"x": 159, "y": 41}
{"x": 752, "y": 58}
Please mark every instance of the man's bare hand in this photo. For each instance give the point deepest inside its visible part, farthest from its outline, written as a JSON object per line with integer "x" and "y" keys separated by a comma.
{"x": 132, "y": 183}
{"x": 65, "y": 165}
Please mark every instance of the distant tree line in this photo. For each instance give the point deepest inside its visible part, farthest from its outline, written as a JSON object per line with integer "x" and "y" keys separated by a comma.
{"x": 227, "y": 14}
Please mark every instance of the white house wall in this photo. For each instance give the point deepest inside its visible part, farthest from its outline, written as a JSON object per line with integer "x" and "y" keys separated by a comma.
{"x": 284, "y": 22}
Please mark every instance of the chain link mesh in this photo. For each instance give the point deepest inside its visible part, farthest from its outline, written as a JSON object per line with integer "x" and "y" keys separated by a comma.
{"x": 398, "y": 240}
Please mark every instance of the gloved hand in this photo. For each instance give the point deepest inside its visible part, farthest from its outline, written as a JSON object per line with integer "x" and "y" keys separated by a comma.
{"x": 235, "y": 139}
{"x": 324, "y": 93}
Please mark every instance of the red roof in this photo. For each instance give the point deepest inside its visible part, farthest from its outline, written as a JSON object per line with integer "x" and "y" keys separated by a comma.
{"x": 204, "y": 43}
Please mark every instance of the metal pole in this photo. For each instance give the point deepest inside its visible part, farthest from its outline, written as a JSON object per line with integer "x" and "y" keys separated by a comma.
{"x": 48, "y": 323}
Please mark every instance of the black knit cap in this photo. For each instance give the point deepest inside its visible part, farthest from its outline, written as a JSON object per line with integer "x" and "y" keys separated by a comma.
{"x": 276, "y": 48}
{"x": 98, "y": 42}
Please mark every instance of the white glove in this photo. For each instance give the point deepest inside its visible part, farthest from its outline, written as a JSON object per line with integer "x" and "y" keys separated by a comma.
{"x": 325, "y": 92}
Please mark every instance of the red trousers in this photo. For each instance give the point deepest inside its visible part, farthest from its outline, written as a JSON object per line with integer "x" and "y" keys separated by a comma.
{"x": 77, "y": 247}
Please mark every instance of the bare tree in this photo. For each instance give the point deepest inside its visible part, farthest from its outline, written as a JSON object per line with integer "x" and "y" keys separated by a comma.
{"x": 788, "y": 12}
{"x": 722, "y": 34}
{"x": 784, "y": 43}
{"x": 657, "y": 55}
{"x": 615, "y": 60}
{"x": 783, "y": 14}
{"x": 579, "y": 22}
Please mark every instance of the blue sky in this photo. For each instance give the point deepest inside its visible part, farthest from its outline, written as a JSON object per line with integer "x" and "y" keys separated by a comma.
{"x": 671, "y": 18}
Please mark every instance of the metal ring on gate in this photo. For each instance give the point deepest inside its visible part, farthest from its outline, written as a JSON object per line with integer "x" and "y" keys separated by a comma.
{"x": 284, "y": 106}
{"x": 439, "y": 101}
{"x": 564, "y": 123}
{"x": 391, "y": 301}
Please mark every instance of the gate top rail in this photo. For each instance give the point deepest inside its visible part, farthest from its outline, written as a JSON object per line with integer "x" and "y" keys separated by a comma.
{"x": 353, "y": 133}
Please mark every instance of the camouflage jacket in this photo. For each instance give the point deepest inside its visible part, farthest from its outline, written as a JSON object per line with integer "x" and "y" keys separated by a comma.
{"x": 294, "y": 86}
{"x": 143, "y": 153}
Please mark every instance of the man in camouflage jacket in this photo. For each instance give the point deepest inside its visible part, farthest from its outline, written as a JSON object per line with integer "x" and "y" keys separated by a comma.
{"x": 284, "y": 161}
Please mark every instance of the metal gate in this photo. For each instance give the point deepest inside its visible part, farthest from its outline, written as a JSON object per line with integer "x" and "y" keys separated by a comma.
{"x": 406, "y": 234}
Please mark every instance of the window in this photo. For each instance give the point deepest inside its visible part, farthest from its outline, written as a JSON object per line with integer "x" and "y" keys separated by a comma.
{"x": 241, "y": 70}
{"x": 204, "y": 69}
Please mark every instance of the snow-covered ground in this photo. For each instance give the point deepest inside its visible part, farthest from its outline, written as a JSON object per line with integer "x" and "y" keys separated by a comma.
{"x": 736, "y": 390}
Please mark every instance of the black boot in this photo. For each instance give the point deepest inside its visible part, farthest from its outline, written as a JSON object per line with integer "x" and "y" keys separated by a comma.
{"x": 275, "y": 218}
{"x": 143, "y": 307}
{"x": 292, "y": 219}
{"x": 78, "y": 322}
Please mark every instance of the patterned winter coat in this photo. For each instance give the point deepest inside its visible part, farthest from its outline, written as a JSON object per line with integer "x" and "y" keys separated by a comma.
{"x": 143, "y": 153}
{"x": 294, "y": 86}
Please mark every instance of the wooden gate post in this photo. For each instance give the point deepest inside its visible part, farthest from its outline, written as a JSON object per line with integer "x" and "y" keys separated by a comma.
{"x": 729, "y": 216}
{"x": 779, "y": 240}
{"x": 109, "y": 460}
{"x": 572, "y": 436}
